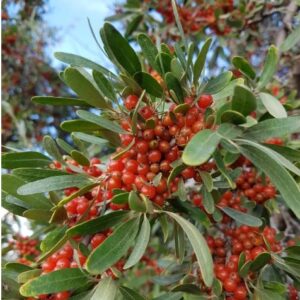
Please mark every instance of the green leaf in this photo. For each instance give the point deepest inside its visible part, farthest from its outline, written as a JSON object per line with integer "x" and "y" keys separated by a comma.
{"x": 121, "y": 198}
{"x": 100, "y": 121}
{"x": 104, "y": 86}
{"x": 84, "y": 87}
{"x": 121, "y": 50}
{"x": 178, "y": 23}
{"x": 50, "y": 146}
{"x": 174, "y": 84}
{"x": 227, "y": 91}
{"x": 130, "y": 294}
{"x": 106, "y": 289}
{"x": 141, "y": 244}
{"x": 80, "y": 158}
{"x": 245, "y": 268}
{"x": 149, "y": 50}
{"x": 90, "y": 138}
{"x": 199, "y": 246}
{"x": 200, "y": 147}
{"x": 10, "y": 185}
{"x": 24, "y": 159}
{"x": 98, "y": 224}
{"x": 218, "y": 83}
{"x": 79, "y": 125}
{"x": 208, "y": 201}
{"x": 241, "y": 217}
{"x": 164, "y": 226}
{"x": 243, "y": 100}
{"x": 200, "y": 61}
{"x": 289, "y": 153}
{"x": 32, "y": 174}
{"x": 27, "y": 275}
{"x": 136, "y": 203}
{"x": 273, "y": 128}
{"x": 163, "y": 60}
{"x": 179, "y": 243}
{"x": 292, "y": 39}
{"x": 269, "y": 67}
{"x": 53, "y": 184}
{"x": 37, "y": 214}
{"x": 232, "y": 116}
{"x": 54, "y": 282}
{"x": 279, "y": 176}
{"x": 80, "y": 61}
{"x": 244, "y": 66}
{"x": 133, "y": 24}
{"x": 273, "y": 105}
{"x": 148, "y": 83}
{"x": 64, "y": 146}
{"x": 260, "y": 261}
{"x": 113, "y": 248}
{"x": 58, "y": 101}
{"x": 207, "y": 180}
{"x": 187, "y": 288}
{"x": 52, "y": 238}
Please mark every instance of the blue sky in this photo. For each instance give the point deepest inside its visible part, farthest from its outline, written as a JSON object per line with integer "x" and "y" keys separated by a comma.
{"x": 70, "y": 19}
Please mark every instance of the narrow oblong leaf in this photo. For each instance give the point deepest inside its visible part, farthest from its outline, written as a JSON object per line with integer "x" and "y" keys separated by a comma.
{"x": 100, "y": 121}
{"x": 32, "y": 174}
{"x": 200, "y": 147}
{"x": 130, "y": 294}
{"x": 292, "y": 39}
{"x": 53, "y": 184}
{"x": 174, "y": 84}
{"x": 244, "y": 66}
{"x": 243, "y": 101}
{"x": 104, "y": 86}
{"x": 269, "y": 67}
{"x": 79, "y": 125}
{"x": 54, "y": 282}
{"x": 199, "y": 246}
{"x": 273, "y": 105}
{"x": 98, "y": 224}
{"x": 113, "y": 248}
{"x": 58, "y": 101}
{"x": 29, "y": 159}
{"x": 218, "y": 83}
{"x": 51, "y": 147}
{"x": 90, "y": 138}
{"x": 106, "y": 289}
{"x": 200, "y": 61}
{"x": 141, "y": 244}
{"x": 241, "y": 217}
{"x": 148, "y": 83}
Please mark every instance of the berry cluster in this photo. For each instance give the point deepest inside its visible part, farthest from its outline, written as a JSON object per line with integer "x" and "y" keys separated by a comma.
{"x": 25, "y": 248}
{"x": 254, "y": 188}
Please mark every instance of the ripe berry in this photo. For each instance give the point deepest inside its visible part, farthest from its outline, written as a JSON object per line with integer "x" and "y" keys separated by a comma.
{"x": 131, "y": 101}
{"x": 205, "y": 101}
{"x": 149, "y": 191}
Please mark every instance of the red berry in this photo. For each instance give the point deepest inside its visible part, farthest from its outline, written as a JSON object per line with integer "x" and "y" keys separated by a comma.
{"x": 97, "y": 240}
{"x": 131, "y": 101}
{"x": 154, "y": 156}
{"x": 149, "y": 191}
{"x": 230, "y": 285}
{"x": 205, "y": 101}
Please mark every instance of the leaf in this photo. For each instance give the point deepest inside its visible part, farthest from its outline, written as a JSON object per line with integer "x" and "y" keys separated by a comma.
{"x": 104, "y": 86}
{"x": 50, "y": 146}
{"x": 106, "y": 289}
{"x": 79, "y": 125}
{"x": 133, "y": 24}
{"x": 80, "y": 61}
{"x": 273, "y": 105}
{"x": 279, "y": 176}
{"x": 54, "y": 282}
{"x": 90, "y": 138}
{"x": 149, "y": 50}
{"x": 187, "y": 288}
{"x": 32, "y": 174}
{"x": 200, "y": 61}
{"x": 163, "y": 60}
{"x": 200, "y": 148}
{"x": 244, "y": 66}
{"x": 164, "y": 226}
{"x": 207, "y": 180}
{"x": 148, "y": 83}
{"x": 100, "y": 121}
{"x": 174, "y": 84}
{"x": 241, "y": 217}
{"x": 273, "y": 128}
{"x": 64, "y": 146}
{"x": 292, "y": 39}
{"x": 80, "y": 158}
{"x": 121, "y": 198}
{"x": 218, "y": 83}
{"x": 10, "y": 185}
{"x": 176, "y": 171}
{"x": 37, "y": 214}
{"x": 208, "y": 201}
{"x": 243, "y": 100}
{"x": 260, "y": 261}
{"x": 98, "y": 224}
{"x": 130, "y": 294}
{"x": 199, "y": 246}
{"x": 24, "y": 159}
{"x": 53, "y": 184}
{"x": 179, "y": 243}
{"x": 136, "y": 203}
{"x": 52, "y": 238}
{"x": 82, "y": 85}
{"x": 289, "y": 153}
{"x": 141, "y": 244}
{"x": 232, "y": 116}
{"x": 58, "y": 101}
{"x": 113, "y": 248}
{"x": 269, "y": 67}
{"x": 178, "y": 23}
{"x": 121, "y": 50}
{"x": 27, "y": 275}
